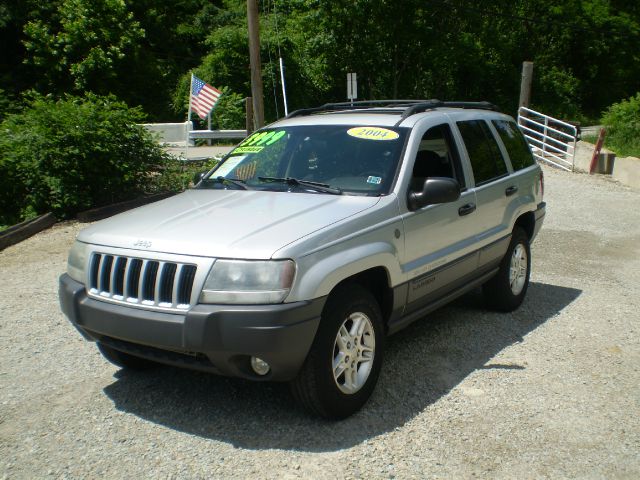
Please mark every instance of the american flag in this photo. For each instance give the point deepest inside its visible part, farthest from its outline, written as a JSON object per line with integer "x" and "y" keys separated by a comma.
{"x": 203, "y": 97}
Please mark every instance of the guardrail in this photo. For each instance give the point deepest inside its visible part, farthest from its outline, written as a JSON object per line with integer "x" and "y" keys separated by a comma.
{"x": 551, "y": 140}
{"x": 181, "y": 133}
{"x": 216, "y": 134}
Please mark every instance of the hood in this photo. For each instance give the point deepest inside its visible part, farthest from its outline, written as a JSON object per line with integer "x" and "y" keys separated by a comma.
{"x": 224, "y": 223}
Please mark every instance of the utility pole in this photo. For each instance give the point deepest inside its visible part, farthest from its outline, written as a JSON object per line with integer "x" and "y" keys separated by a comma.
{"x": 248, "y": 106}
{"x": 254, "y": 57}
{"x": 525, "y": 85}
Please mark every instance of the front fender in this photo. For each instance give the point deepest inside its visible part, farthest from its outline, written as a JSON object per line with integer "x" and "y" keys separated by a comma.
{"x": 323, "y": 270}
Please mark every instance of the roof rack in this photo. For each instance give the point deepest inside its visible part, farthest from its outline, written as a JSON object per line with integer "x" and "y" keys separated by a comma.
{"x": 411, "y": 107}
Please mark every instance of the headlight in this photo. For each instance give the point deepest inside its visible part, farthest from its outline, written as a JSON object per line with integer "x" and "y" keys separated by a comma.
{"x": 248, "y": 282}
{"x": 77, "y": 261}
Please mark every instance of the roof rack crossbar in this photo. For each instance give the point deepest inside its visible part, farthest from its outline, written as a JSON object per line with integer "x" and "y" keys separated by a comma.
{"x": 327, "y": 107}
{"x": 411, "y": 106}
{"x": 432, "y": 104}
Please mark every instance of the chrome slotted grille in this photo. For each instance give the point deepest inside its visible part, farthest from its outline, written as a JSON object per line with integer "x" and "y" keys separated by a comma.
{"x": 141, "y": 281}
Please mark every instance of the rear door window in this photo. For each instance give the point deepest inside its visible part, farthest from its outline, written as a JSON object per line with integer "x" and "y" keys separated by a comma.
{"x": 514, "y": 142}
{"x": 486, "y": 160}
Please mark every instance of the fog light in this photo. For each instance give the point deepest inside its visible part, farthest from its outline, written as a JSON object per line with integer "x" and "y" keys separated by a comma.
{"x": 260, "y": 366}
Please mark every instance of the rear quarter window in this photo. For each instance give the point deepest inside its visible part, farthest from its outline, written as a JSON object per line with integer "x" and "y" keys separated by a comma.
{"x": 515, "y": 143}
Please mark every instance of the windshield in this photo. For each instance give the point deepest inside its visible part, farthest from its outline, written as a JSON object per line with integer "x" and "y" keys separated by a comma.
{"x": 340, "y": 159}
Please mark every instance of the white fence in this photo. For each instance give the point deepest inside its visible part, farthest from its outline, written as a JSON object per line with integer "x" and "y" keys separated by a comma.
{"x": 551, "y": 140}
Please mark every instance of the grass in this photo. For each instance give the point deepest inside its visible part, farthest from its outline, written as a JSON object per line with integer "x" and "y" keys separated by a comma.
{"x": 626, "y": 150}
{"x": 619, "y": 151}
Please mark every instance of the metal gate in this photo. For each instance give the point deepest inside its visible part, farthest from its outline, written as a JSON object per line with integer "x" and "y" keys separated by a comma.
{"x": 551, "y": 140}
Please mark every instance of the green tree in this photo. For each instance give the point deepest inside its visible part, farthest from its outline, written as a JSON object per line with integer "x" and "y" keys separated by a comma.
{"x": 585, "y": 51}
{"x": 174, "y": 42}
{"x": 15, "y": 75}
{"x": 82, "y": 45}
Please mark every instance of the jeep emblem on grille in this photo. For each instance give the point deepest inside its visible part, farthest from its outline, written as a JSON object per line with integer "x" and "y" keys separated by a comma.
{"x": 142, "y": 243}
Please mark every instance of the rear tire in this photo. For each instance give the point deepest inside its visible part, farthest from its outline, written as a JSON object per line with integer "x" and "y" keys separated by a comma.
{"x": 344, "y": 362}
{"x": 505, "y": 292}
{"x": 125, "y": 360}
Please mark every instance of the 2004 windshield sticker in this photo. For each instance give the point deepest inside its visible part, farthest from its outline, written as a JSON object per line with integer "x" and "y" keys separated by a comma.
{"x": 256, "y": 142}
{"x": 373, "y": 133}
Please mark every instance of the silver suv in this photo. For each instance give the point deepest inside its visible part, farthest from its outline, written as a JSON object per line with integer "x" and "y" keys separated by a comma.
{"x": 310, "y": 242}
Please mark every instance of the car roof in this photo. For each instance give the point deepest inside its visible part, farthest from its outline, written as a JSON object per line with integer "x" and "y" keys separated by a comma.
{"x": 385, "y": 113}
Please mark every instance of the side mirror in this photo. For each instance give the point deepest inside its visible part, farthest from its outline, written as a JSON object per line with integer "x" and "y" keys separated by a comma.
{"x": 435, "y": 190}
{"x": 198, "y": 177}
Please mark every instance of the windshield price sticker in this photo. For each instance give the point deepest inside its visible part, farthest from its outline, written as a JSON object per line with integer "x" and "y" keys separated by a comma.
{"x": 263, "y": 139}
{"x": 373, "y": 133}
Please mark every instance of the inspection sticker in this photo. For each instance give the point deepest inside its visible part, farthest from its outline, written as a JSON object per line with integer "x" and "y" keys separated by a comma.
{"x": 372, "y": 133}
{"x": 374, "y": 180}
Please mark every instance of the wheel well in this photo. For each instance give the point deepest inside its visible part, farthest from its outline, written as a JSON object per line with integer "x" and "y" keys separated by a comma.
{"x": 527, "y": 222}
{"x": 376, "y": 281}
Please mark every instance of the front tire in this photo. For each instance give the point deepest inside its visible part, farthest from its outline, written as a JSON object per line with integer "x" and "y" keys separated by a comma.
{"x": 344, "y": 362}
{"x": 505, "y": 292}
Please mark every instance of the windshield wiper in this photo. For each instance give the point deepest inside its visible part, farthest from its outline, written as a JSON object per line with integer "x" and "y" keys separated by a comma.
{"x": 234, "y": 181}
{"x": 317, "y": 186}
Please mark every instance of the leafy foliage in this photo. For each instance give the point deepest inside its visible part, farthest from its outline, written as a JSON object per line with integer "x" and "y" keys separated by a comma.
{"x": 584, "y": 51}
{"x": 84, "y": 42}
{"x": 135, "y": 49}
{"x": 623, "y": 127}
{"x": 73, "y": 154}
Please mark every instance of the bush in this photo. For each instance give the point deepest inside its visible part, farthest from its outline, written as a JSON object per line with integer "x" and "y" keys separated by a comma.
{"x": 622, "y": 121}
{"x": 7, "y": 104}
{"x": 73, "y": 154}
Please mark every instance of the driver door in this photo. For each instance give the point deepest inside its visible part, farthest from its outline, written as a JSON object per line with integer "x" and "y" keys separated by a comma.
{"x": 439, "y": 239}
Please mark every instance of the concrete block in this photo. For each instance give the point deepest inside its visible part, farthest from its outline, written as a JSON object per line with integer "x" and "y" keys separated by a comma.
{"x": 627, "y": 170}
{"x": 170, "y": 133}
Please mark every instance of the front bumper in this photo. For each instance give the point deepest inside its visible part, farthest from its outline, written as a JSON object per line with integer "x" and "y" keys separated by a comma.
{"x": 215, "y": 338}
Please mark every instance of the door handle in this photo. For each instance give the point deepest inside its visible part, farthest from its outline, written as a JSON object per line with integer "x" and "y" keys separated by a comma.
{"x": 511, "y": 190}
{"x": 466, "y": 209}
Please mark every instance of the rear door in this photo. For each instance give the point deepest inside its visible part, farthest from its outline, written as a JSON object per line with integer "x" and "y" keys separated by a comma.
{"x": 495, "y": 189}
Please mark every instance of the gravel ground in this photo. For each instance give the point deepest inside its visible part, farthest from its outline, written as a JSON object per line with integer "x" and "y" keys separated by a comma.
{"x": 549, "y": 391}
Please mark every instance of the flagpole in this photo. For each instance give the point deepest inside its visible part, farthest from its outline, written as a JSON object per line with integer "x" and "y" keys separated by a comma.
{"x": 188, "y": 127}
{"x": 284, "y": 88}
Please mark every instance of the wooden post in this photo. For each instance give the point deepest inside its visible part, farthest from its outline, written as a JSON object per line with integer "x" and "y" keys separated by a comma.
{"x": 256, "y": 67}
{"x": 597, "y": 150}
{"x": 248, "y": 106}
{"x": 525, "y": 85}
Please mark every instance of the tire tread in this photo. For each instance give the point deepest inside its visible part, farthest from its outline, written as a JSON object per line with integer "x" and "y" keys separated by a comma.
{"x": 305, "y": 388}
{"x": 497, "y": 292}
